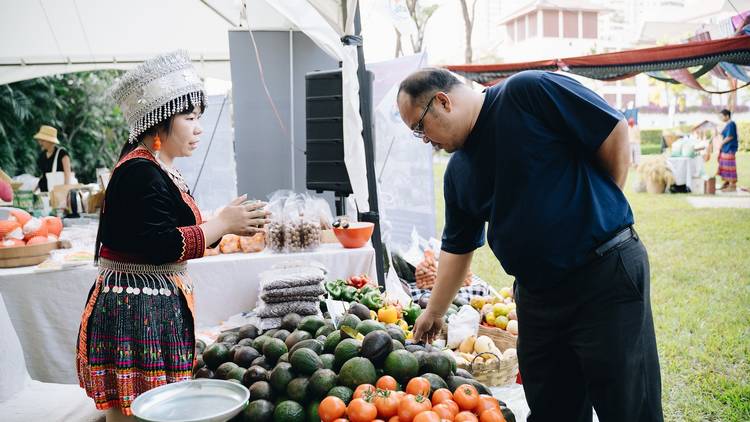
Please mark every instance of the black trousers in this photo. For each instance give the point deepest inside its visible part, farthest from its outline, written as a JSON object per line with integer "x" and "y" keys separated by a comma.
{"x": 589, "y": 341}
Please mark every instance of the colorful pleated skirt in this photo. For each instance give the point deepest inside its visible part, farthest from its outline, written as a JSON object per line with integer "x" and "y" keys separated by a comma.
{"x": 728, "y": 167}
{"x": 137, "y": 332}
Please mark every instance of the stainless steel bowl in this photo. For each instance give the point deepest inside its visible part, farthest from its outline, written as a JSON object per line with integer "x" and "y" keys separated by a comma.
{"x": 200, "y": 400}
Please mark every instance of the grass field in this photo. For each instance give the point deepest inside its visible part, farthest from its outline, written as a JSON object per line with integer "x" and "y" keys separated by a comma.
{"x": 700, "y": 292}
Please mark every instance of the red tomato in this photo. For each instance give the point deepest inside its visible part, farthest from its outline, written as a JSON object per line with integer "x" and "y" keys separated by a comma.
{"x": 453, "y": 406}
{"x": 331, "y": 408}
{"x": 387, "y": 382}
{"x": 427, "y": 416}
{"x": 466, "y": 397}
{"x": 418, "y": 386}
{"x": 440, "y": 395}
{"x": 410, "y": 406}
{"x": 364, "y": 391}
{"x": 465, "y": 416}
{"x": 444, "y": 411}
{"x": 492, "y": 415}
{"x": 360, "y": 410}
{"x": 387, "y": 404}
{"x": 394, "y": 419}
{"x": 485, "y": 403}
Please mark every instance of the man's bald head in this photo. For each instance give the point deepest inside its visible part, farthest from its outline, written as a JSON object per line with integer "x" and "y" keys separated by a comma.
{"x": 424, "y": 83}
{"x": 439, "y": 108}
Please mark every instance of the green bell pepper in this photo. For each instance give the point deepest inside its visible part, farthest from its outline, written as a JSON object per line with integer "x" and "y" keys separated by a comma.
{"x": 411, "y": 313}
{"x": 367, "y": 289}
{"x": 348, "y": 293}
{"x": 335, "y": 288}
{"x": 373, "y": 300}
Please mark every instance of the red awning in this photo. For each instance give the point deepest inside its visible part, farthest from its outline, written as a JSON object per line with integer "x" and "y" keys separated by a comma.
{"x": 623, "y": 64}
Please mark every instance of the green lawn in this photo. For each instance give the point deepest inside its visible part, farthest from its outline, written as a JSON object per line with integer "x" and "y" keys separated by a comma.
{"x": 650, "y": 149}
{"x": 700, "y": 292}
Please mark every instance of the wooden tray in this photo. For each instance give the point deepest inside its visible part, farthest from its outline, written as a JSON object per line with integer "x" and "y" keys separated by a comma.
{"x": 22, "y": 256}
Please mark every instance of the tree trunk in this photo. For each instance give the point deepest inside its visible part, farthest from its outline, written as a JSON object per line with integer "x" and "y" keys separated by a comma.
{"x": 399, "y": 46}
{"x": 468, "y": 27}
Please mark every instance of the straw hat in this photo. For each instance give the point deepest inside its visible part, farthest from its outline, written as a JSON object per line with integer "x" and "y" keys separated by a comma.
{"x": 47, "y": 134}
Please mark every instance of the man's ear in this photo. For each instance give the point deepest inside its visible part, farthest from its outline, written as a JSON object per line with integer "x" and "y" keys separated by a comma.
{"x": 443, "y": 101}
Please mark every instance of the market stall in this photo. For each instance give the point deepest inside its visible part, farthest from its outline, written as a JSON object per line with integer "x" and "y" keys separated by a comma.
{"x": 354, "y": 354}
{"x": 46, "y": 307}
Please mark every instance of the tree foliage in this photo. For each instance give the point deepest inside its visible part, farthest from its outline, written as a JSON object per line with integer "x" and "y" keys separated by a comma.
{"x": 89, "y": 126}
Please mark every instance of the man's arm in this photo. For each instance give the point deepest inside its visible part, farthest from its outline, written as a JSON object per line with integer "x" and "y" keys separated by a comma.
{"x": 451, "y": 273}
{"x": 614, "y": 153}
{"x": 450, "y": 277}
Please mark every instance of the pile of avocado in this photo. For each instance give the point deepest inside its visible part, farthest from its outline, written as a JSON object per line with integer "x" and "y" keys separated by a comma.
{"x": 291, "y": 369}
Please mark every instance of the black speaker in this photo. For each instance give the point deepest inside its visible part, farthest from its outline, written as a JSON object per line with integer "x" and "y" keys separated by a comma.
{"x": 324, "y": 120}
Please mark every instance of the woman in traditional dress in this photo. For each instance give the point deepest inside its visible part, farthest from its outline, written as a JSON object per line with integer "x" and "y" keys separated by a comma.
{"x": 137, "y": 330}
{"x": 727, "y": 154}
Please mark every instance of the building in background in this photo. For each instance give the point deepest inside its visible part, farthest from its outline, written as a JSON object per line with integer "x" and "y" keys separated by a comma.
{"x": 543, "y": 28}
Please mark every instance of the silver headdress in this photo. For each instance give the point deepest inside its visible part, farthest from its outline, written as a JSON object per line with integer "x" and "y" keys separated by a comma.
{"x": 156, "y": 90}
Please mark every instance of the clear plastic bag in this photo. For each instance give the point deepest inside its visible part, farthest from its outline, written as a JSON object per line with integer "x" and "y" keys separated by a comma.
{"x": 323, "y": 211}
{"x": 309, "y": 227}
{"x": 275, "y": 229}
{"x": 293, "y": 223}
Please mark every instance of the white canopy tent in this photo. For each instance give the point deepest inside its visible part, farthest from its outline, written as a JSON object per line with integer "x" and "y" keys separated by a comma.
{"x": 46, "y": 37}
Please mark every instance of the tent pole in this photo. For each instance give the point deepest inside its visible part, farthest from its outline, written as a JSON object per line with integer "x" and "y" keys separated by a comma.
{"x": 365, "y": 110}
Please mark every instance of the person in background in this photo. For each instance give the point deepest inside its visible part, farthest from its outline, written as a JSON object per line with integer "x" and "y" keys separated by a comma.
{"x": 52, "y": 157}
{"x": 634, "y": 136}
{"x": 727, "y": 154}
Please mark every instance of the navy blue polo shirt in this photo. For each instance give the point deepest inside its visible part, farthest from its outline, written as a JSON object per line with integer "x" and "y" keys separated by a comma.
{"x": 528, "y": 169}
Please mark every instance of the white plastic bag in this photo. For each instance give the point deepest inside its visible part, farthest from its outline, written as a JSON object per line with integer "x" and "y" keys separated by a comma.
{"x": 463, "y": 324}
{"x": 394, "y": 289}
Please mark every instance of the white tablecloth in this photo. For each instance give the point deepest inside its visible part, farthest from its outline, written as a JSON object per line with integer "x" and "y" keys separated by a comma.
{"x": 46, "y": 308}
{"x": 685, "y": 169}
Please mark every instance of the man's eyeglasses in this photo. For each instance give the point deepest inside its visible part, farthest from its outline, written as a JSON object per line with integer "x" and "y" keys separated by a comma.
{"x": 418, "y": 130}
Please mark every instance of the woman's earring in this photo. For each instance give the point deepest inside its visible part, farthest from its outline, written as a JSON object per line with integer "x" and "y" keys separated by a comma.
{"x": 157, "y": 143}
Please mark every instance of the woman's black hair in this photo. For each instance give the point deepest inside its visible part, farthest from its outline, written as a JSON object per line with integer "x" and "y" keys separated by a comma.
{"x": 726, "y": 113}
{"x": 165, "y": 125}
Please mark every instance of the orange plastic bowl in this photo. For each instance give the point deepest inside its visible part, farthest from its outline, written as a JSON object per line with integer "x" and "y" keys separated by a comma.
{"x": 356, "y": 235}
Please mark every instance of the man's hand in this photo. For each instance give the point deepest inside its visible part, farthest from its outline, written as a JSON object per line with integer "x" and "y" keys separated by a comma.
{"x": 427, "y": 327}
{"x": 450, "y": 277}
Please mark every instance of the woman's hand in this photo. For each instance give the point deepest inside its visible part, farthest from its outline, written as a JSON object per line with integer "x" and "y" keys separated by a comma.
{"x": 243, "y": 218}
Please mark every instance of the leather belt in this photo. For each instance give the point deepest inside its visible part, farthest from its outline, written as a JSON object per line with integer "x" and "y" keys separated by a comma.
{"x": 621, "y": 237}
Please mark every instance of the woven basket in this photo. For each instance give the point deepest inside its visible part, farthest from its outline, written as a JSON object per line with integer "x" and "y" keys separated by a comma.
{"x": 502, "y": 339}
{"x": 496, "y": 372}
